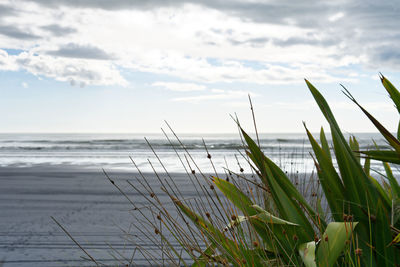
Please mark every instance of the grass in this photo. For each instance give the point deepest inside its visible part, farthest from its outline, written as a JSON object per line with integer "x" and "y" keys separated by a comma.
{"x": 340, "y": 216}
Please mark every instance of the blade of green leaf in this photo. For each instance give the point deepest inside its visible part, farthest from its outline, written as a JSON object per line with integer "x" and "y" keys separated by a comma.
{"x": 333, "y": 242}
{"x": 324, "y": 144}
{"x": 383, "y": 155}
{"x": 383, "y": 237}
{"x": 393, "y": 92}
{"x": 358, "y": 188}
{"x": 307, "y": 254}
{"x": 284, "y": 194}
{"x": 388, "y": 136}
{"x": 355, "y": 147}
{"x": 329, "y": 179}
{"x": 240, "y": 200}
{"x": 392, "y": 180}
{"x": 267, "y": 217}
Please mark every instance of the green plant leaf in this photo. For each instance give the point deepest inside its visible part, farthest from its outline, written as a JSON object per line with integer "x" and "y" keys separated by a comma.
{"x": 307, "y": 254}
{"x": 329, "y": 179}
{"x": 387, "y": 255}
{"x": 267, "y": 217}
{"x": 283, "y": 192}
{"x": 394, "y": 185}
{"x": 215, "y": 236}
{"x": 333, "y": 241}
{"x": 240, "y": 200}
{"x": 359, "y": 190}
{"x": 393, "y": 92}
{"x": 324, "y": 144}
{"x": 383, "y": 155}
{"x": 386, "y": 134}
{"x": 355, "y": 147}
{"x": 367, "y": 166}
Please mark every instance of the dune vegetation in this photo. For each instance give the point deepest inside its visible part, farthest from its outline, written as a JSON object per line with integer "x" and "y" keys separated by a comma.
{"x": 264, "y": 218}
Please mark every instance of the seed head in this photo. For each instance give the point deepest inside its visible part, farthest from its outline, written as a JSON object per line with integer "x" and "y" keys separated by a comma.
{"x": 211, "y": 187}
{"x": 209, "y": 156}
{"x": 159, "y": 217}
{"x": 295, "y": 237}
{"x": 208, "y": 215}
{"x": 193, "y": 171}
{"x": 255, "y": 243}
{"x": 241, "y": 170}
{"x": 233, "y": 217}
{"x": 152, "y": 194}
{"x": 326, "y": 238}
{"x": 358, "y": 251}
{"x": 156, "y": 231}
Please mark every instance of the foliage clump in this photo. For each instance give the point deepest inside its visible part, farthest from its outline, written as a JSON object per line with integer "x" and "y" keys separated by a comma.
{"x": 264, "y": 219}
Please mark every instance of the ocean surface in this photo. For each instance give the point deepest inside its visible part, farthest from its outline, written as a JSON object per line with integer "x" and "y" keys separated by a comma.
{"x": 117, "y": 151}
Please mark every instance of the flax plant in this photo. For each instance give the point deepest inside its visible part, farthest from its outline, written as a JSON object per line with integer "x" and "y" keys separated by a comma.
{"x": 263, "y": 219}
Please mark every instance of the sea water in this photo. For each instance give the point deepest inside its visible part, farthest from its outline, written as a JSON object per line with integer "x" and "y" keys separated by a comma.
{"x": 290, "y": 151}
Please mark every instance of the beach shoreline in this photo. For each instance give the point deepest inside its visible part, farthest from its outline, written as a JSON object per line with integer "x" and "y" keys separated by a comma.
{"x": 80, "y": 198}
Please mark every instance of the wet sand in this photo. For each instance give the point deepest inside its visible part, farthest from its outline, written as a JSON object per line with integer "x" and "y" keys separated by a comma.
{"x": 81, "y": 199}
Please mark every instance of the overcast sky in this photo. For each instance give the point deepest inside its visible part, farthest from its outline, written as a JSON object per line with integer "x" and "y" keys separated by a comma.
{"x": 126, "y": 66}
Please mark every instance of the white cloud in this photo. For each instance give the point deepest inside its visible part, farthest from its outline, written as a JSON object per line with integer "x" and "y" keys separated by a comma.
{"x": 225, "y": 95}
{"x": 180, "y": 87}
{"x": 336, "y": 17}
{"x": 24, "y": 85}
{"x": 82, "y": 71}
{"x": 201, "y": 41}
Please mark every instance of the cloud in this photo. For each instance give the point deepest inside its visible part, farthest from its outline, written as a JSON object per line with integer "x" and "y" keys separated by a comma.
{"x": 73, "y": 50}
{"x": 224, "y": 95}
{"x": 262, "y": 42}
{"x": 24, "y": 85}
{"x": 180, "y": 87}
{"x": 83, "y": 72}
{"x": 58, "y": 30}
{"x": 14, "y": 32}
{"x": 6, "y": 10}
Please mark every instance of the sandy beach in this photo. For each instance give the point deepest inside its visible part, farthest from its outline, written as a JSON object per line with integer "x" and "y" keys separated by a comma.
{"x": 82, "y": 200}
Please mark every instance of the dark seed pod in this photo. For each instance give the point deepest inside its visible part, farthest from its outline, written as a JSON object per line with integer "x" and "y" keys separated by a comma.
{"x": 152, "y": 194}
{"x": 326, "y": 238}
{"x": 233, "y": 217}
{"x": 295, "y": 237}
{"x": 209, "y": 156}
{"x": 159, "y": 217}
{"x": 358, "y": 251}
{"x": 208, "y": 215}
{"x": 255, "y": 243}
{"x": 156, "y": 231}
{"x": 241, "y": 170}
{"x": 193, "y": 171}
{"x": 211, "y": 187}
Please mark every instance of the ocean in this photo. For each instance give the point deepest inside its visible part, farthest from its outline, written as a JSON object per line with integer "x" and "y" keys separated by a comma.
{"x": 115, "y": 151}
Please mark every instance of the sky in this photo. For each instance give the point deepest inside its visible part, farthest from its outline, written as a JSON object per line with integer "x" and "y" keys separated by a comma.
{"x": 127, "y": 66}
